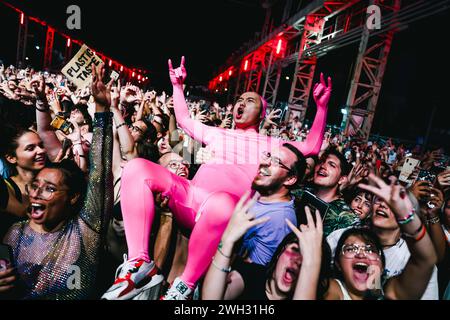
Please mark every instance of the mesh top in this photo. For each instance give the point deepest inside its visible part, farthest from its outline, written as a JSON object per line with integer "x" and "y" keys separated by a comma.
{"x": 63, "y": 264}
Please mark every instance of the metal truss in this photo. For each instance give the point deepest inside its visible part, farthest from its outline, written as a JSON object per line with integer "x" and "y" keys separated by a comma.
{"x": 48, "y": 52}
{"x": 368, "y": 76}
{"x": 22, "y": 40}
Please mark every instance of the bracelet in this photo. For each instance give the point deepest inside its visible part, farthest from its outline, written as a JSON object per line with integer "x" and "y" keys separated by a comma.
{"x": 418, "y": 235}
{"x": 220, "y": 251}
{"x": 40, "y": 106}
{"x": 408, "y": 219}
{"x": 121, "y": 125}
{"x": 422, "y": 234}
{"x": 82, "y": 156}
{"x": 226, "y": 270}
{"x": 433, "y": 220}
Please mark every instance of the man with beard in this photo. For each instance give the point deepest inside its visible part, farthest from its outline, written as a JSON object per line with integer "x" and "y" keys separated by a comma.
{"x": 279, "y": 172}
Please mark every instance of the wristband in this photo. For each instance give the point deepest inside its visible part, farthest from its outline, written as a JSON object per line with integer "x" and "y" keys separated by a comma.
{"x": 121, "y": 125}
{"x": 418, "y": 235}
{"x": 41, "y": 106}
{"x": 407, "y": 219}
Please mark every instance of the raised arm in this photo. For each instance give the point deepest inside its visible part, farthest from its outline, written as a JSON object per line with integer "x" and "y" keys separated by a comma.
{"x": 313, "y": 142}
{"x": 99, "y": 199}
{"x": 310, "y": 240}
{"x": 43, "y": 119}
{"x": 194, "y": 128}
{"x": 413, "y": 281}
{"x": 216, "y": 286}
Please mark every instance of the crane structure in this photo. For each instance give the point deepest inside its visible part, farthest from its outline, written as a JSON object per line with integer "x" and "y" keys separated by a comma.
{"x": 308, "y": 35}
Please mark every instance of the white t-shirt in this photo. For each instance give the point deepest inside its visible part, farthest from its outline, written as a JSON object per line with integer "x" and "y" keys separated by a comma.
{"x": 396, "y": 259}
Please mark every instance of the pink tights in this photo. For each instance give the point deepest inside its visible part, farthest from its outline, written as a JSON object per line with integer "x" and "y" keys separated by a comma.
{"x": 140, "y": 180}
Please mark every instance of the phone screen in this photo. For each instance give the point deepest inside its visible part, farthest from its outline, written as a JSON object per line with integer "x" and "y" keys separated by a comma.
{"x": 313, "y": 202}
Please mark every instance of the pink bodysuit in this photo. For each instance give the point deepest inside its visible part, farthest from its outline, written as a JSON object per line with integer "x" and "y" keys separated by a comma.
{"x": 206, "y": 203}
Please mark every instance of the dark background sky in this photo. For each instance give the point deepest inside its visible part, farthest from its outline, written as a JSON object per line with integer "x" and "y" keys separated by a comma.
{"x": 145, "y": 34}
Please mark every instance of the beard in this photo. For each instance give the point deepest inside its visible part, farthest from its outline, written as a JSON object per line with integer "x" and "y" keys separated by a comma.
{"x": 268, "y": 188}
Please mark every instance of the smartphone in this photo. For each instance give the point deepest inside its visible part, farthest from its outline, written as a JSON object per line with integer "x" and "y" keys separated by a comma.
{"x": 59, "y": 123}
{"x": 314, "y": 203}
{"x": 67, "y": 143}
{"x": 6, "y": 257}
{"x": 408, "y": 168}
{"x": 425, "y": 175}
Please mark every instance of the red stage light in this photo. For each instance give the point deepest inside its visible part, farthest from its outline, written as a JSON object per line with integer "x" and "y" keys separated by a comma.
{"x": 220, "y": 79}
{"x": 110, "y": 62}
{"x": 230, "y": 73}
{"x": 246, "y": 65}
{"x": 133, "y": 74}
{"x": 68, "y": 42}
{"x": 121, "y": 68}
{"x": 139, "y": 77}
{"x": 22, "y": 18}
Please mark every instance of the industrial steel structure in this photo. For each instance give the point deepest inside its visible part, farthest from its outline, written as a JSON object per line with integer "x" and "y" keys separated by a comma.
{"x": 130, "y": 73}
{"x": 309, "y": 34}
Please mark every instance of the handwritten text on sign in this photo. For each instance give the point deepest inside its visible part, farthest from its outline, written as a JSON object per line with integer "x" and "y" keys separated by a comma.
{"x": 78, "y": 70}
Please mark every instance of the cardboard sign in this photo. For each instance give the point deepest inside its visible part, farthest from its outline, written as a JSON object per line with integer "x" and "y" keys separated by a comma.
{"x": 78, "y": 70}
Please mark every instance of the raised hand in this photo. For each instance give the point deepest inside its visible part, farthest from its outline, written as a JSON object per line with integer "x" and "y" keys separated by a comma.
{"x": 201, "y": 116}
{"x": 394, "y": 195}
{"x": 309, "y": 237}
{"x": 100, "y": 91}
{"x": 203, "y": 155}
{"x": 241, "y": 220}
{"x": 421, "y": 190}
{"x": 115, "y": 96}
{"x": 178, "y": 75}
{"x": 436, "y": 199}
{"x": 322, "y": 92}
{"x": 38, "y": 86}
{"x": 269, "y": 120}
{"x": 444, "y": 179}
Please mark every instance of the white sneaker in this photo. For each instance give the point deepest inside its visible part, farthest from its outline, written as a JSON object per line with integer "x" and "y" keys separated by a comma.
{"x": 178, "y": 291}
{"x": 133, "y": 278}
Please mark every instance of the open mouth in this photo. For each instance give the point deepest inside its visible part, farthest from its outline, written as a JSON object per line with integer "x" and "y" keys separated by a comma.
{"x": 239, "y": 112}
{"x": 290, "y": 275}
{"x": 360, "y": 271}
{"x": 37, "y": 211}
{"x": 182, "y": 174}
{"x": 381, "y": 214}
{"x": 322, "y": 173}
{"x": 264, "y": 172}
{"x": 39, "y": 159}
{"x": 358, "y": 212}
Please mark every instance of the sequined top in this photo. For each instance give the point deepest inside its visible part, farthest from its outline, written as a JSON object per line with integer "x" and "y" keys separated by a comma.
{"x": 62, "y": 265}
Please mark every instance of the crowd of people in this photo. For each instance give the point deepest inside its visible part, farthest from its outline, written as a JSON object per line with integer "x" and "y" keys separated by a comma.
{"x": 117, "y": 192}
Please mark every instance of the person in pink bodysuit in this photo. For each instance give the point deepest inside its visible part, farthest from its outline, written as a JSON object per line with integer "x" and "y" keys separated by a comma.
{"x": 205, "y": 204}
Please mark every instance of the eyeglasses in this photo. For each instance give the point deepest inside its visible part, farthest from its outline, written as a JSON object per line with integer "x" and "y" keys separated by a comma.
{"x": 175, "y": 164}
{"x": 136, "y": 129}
{"x": 45, "y": 192}
{"x": 274, "y": 161}
{"x": 349, "y": 251}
